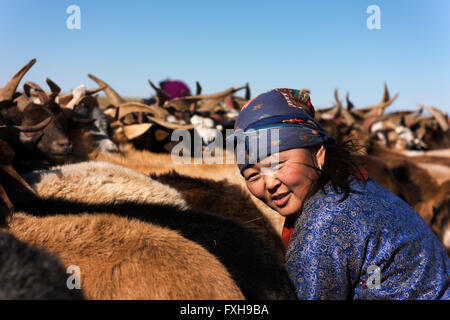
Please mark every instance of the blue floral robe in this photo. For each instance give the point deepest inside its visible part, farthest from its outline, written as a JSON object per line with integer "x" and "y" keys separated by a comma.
{"x": 373, "y": 245}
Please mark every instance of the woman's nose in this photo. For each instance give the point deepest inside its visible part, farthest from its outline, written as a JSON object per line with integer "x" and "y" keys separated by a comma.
{"x": 272, "y": 182}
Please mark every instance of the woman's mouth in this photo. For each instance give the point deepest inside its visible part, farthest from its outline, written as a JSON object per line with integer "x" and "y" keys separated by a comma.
{"x": 281, "y": 199}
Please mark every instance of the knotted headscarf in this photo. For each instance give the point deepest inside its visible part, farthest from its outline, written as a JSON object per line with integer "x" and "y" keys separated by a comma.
{"x": 275, "y": 121}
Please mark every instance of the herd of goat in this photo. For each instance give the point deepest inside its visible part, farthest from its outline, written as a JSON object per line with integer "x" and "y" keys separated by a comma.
{"x": 92, "y": 184}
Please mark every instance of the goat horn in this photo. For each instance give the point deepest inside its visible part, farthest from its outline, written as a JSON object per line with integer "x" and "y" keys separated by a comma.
{"x": 247, "y": 92}
{"x": 64, "y": 99}
{"x": 10, "y": 170}
{"x": 198, "y": 89}
{"x": 384, "y": 103}
{"x": 8, "y": 91}
{"x": 161, "y": 93}
{"x": 114, "y": 98}
{"x": 342, "y": 111}
{"x": 386, "y": 96}
{"x": 41, "y": 125}
{"x": 91, "y": 92}
{"x": 336, "y": 97}
{"x": 211, "y": 100}
{"x": 27, "y": 86}
{"x": 131, "y": 107}
{"x": 439, "y": 118}
{"x": 54, "y": 88}
{"x": 43, "y": 97}
{"x": 180, "y": 104}
{"x": 133, "y": 131}
{"x": 4, "y": 197}
{"x": 170, "y": 125}
{"x": 218, "y": 95}
{"x": 350, "y": 105}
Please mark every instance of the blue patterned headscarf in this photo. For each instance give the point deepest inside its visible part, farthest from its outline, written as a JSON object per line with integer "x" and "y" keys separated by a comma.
{"x": 278, "y": 120}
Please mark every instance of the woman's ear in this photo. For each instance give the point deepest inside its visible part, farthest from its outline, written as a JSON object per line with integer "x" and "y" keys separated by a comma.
{"x": 320, "y": 157}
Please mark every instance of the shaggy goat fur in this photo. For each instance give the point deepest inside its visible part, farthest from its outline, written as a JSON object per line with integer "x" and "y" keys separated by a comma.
{"x": 253, "y": 266}
{"x": 121, "y": 258}
{"x": 28, "y": 272}
{"x": 94, "y": 182}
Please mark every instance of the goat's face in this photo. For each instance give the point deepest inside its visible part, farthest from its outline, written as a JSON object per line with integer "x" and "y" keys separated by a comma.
{"x": 99, "y": 129}
{"x": 52, "y": 141}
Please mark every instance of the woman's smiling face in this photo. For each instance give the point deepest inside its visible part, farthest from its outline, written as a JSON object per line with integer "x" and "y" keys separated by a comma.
{"x": 282, "y": 180}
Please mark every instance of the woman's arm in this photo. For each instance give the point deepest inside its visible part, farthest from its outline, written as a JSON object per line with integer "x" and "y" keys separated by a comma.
{"x": 322, "y": 259}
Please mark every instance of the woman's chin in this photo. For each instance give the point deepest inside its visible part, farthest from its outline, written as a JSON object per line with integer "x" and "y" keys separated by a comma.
{"x": 292, "y": 207}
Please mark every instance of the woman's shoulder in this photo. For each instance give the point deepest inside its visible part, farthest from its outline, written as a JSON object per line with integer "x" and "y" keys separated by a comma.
{"x": 369, "y": 206}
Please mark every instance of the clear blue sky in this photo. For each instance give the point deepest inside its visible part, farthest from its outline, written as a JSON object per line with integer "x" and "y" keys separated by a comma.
{"x": 318, "y": 45}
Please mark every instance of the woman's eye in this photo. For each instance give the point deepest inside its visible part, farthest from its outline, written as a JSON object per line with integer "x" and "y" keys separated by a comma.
{"x": 277, "y": 166}
{"x": 252, "y": 176}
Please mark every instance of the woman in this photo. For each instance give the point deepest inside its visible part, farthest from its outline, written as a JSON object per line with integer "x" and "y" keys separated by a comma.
{"x": 347, "y": 237}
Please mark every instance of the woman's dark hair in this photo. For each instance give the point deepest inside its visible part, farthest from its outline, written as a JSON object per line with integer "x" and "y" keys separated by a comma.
{"x": 337, "y": 168}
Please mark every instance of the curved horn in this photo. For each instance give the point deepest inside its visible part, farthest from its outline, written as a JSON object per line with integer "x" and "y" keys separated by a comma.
{"x": 161, "y": 94}
{"x": 439, "y": 118}
{"x": 336, "y": 97}
{"x": 247, "y": 91}
{"x": 198, "y": 89}
{"x": 10, "y": 170}
{"x": 54, "y": 88}
{"x": 27, "y": 86}
{"x": 8, "y": 91}
{"x": 91, "y": 92}
{"x": 350, "y": 105}
{"x": 64, "y": 99}
{"x": 10, "y": 129}
{"x": 113, "y": 97}
{"x": 133, "y": 131}
{"x": 341, "y": 110}
{"x": 383, "y": 104}
{"x": 131, "y": 107}
{"x": 170, "y": 125}
{"x": 180, "y": 104}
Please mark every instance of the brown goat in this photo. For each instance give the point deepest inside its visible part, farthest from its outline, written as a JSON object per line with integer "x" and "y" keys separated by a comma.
{"x": 128, "y": 259}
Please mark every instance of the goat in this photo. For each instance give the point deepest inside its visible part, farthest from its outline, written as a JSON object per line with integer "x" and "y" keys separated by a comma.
{"x": 29, "y": 272}
{"x": 120, "y": 258}
{"x": 255, "y": 269}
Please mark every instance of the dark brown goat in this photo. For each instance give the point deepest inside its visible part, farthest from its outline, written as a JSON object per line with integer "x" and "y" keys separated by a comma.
{"x": 51, "y": 145}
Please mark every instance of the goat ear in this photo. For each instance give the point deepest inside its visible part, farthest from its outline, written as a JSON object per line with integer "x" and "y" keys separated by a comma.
{"x": 78, "y": 121}
{"x": 414, "y": 126}
{"x": 88, "y": 100}
{"x": 403, "y": 122}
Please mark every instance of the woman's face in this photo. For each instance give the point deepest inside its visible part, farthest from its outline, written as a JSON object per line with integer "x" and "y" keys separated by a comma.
{"x": 283, "y": 180}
